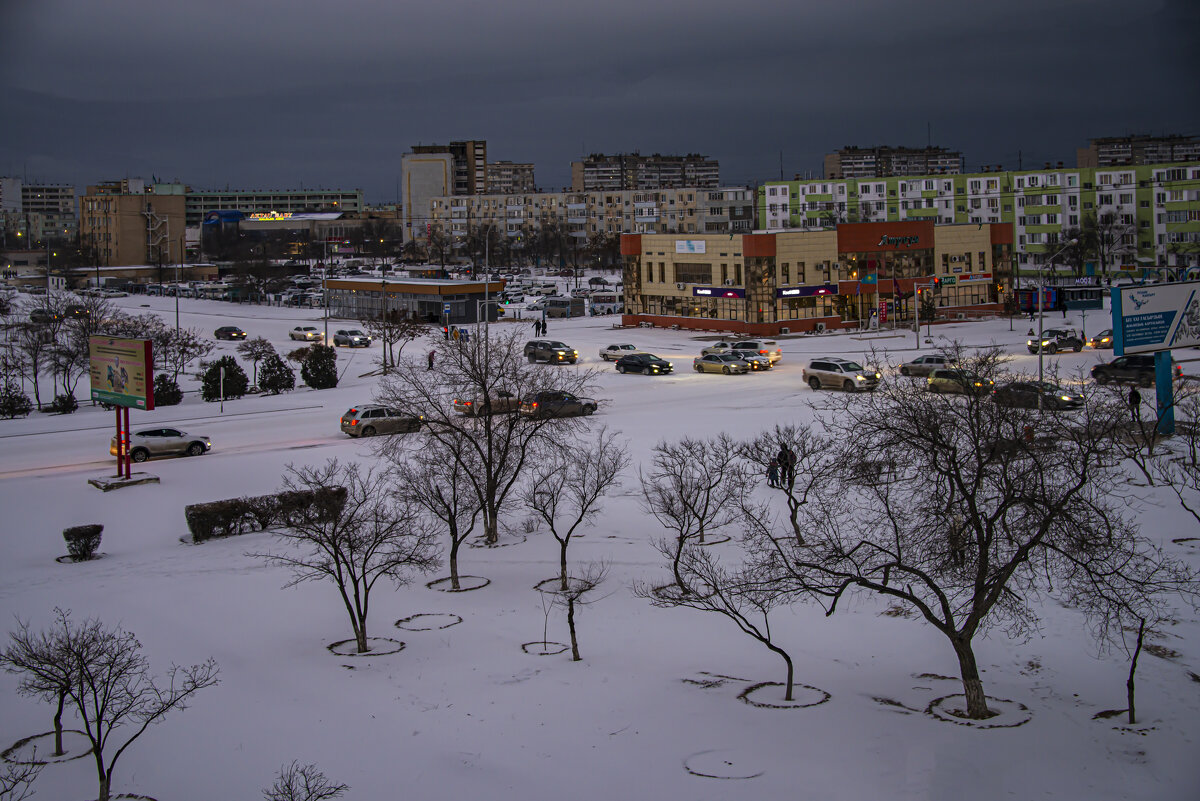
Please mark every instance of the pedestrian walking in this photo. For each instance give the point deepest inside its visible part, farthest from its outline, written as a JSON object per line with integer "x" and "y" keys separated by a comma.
{"x": 430, "y": 367}
{"x": 1031, "y": 314}
{"x": 773, "y": 473}
{"x": 1135, "y": 404}
{"x": 1064, "y": 310}
{"x": 537, "y": 327}
{"x": 787, "y": 465}
{"x": 543, "y": 327}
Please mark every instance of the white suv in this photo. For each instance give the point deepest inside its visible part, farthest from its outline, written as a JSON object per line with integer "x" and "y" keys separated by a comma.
{"x": 829, "y": 371}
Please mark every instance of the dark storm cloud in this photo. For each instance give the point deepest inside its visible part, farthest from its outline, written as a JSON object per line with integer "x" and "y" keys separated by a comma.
{"x": 280, "y": 94}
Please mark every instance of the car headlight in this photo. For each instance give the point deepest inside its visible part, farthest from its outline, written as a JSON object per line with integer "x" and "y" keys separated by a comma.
{"x": 1065, "y": 397}
{"x": 878, "y": 376}
{"x": 859, "y": 378}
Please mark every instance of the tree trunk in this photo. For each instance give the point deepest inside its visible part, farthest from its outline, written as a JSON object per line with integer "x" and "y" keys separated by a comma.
{"x": 972, "y": 687}
{"x": 1133, "y": 669}
{"x": 58, "y": 728}
{"x": 571, "y": 625}
{"x": 454, "y": 543}
{"x": 683, "y": 589}
{"x": 562, "y": 565}
{"x": 787, "y": 696}
{"x": 360, "y": 636}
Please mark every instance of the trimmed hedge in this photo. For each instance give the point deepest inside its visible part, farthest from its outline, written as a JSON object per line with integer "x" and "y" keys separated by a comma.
{"x": 234, "y": 516}
{"x": 82, "y": 541}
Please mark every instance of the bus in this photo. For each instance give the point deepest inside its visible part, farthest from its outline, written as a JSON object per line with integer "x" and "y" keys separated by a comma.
{"x": 564, "y": 307}
{"x": 606, "y": 303}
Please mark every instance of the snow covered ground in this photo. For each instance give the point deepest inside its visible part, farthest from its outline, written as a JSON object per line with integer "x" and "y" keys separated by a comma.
{"x": 652, "y": 711}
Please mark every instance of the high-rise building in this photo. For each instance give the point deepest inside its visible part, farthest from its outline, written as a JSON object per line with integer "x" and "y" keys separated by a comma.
{"x": 130, "y": 222}
{"x": 507, "y": 178}
{"x": 1117, "y": 151}
{"x": 633, "y": 171}
{"x": 885, "y": 161}
{"x": 31, "y": 214}
{"x": 429, "y": 171}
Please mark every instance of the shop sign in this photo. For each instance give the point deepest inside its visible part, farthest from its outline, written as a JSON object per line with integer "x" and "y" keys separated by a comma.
{"x": 976, "y": 277}
{"x": 897, "y": 241}
{"x": 949, "y": 280}
{"x": 690, "y": 246}
{"x": 804, "y": 291}
{"x": 268, "y": 216}
{"x": 717, "y": 292}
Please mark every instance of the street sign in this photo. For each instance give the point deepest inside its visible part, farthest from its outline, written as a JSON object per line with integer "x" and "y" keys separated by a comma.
{"x": 446, "y": 309}
{"x": 1154, "y": 317}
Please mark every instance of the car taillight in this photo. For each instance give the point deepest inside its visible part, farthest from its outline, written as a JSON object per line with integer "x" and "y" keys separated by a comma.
{"x": 534, "y": 406}
{"x": 763, "y": 352}
{"x": 353, "y": 422}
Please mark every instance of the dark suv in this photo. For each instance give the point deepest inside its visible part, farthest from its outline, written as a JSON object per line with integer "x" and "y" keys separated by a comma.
{"x": 1136, "y": 368}
{"x": 550, "y": 351}
{"x": 556, "y": 403}
{"x": 1056, "y": 339}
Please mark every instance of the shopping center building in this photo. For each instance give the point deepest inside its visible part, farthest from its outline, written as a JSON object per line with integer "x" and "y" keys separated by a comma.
{"x": 849, "y": 276}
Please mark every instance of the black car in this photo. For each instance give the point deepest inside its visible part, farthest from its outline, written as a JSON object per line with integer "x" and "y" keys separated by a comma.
{"x": 229, "y": 332}
{"x": 556, "y": 403}
{"x": 550, "y": 351}
{"x": 1135, "y": 368}
{"x": 644, "y": 363}
{"x": 1025, "y": 394}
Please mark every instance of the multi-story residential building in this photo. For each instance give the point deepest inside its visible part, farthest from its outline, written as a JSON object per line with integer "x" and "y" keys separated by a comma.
{"x": 1120, "y": 151}
{"x": 633, "y": 171}
{"x": 429, "y": 171}
{"x": 130, "y": 222}
{"x": 1146, "y": 214}
{"x": 265, "y": 201}
{"x": 585, "y": 214}
{"x": 469, "y": 176}
{"x": 33, "y": 214}
{"x": 885, "y": 161}
{"x": 507, "y": 178}
{"x": 849, "y": 275}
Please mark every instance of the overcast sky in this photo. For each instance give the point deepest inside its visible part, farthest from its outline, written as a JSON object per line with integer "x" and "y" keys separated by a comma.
{"x": 270, "y": 94}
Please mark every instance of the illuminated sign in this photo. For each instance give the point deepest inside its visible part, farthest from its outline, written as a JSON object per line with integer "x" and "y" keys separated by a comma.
{"x": 269, "y": 216}
{"x": 717, "y": 292}
{"x": 121, "y": 371}
{"x": 804, "y": 291}
{"x": 897, "y": 241}
{"x": 975, "y": 277}
{"x": 1158, "y": 317}
{"x": 690, "y": 246}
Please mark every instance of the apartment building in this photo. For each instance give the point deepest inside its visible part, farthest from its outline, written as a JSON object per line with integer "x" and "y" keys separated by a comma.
{"x": 431, "y": 171}
{"x": 130, "y": 222}
{"x": 507, "y": 178}
{"x": 633, "y": 171}
{"x": 1121, "y": 151}
{"x": 32, "y": 214}
{"x": 885, "y": 161}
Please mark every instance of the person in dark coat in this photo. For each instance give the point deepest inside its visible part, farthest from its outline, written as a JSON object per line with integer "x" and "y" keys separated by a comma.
{"x": 430, "y": 366}
{"x": 787, "y": 465}
{"x": 1135, "y": 404}
{"x": 773, "y": 473}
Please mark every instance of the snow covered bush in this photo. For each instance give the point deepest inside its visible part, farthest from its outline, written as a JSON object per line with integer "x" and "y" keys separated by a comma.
{"x": 82, "y": 541}
{"x": 166, "y": 391}
{"x": 276, "y": 376}
{"x": 236, "y": 381}
{"x": 64, "y": 404}
{"x": 14, "y": 402}
{"x": 320, "y": 369}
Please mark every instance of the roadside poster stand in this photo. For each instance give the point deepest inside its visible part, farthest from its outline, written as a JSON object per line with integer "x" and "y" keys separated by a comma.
{"x": 122, "y": 374}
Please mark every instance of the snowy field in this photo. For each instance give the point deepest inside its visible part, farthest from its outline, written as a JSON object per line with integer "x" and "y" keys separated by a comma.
{"x": 462, "y": 712}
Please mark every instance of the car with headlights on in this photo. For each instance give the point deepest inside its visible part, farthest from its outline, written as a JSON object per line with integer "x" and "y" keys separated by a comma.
{"x": 644, "y": 363}
{"x": 307, "y": 333}
{"x": 726, "y": 363}
{"x": 957, "y": 381}
{"x": 1101, "y": 341}
{"x": 351, "y": 338}
{"x": 614, "y": 352}
{"x": 1025, "y": 394}
{"x": 163, "y": 442}
{"x": 367, "y": 420}
{"x": 556, "y": 403}
{"x": 763, "y": 347}
{"x": 756, "y": 360}
{"x": 550, "y": 351}
{"x": 230, "y": 332}
{"x": 840, "y": 374}
{"x": 1056, "y": 339}
{"x": 923, "y": 365}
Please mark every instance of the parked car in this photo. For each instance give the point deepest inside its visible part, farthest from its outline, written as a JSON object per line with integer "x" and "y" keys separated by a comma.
{"x": 550, "y": 351}
{"x": 923, "y": 365}
{"x": 726, "y": 363}
{"x": 1102, "y": 341}
{"x": 955, "y": 380}
{"x": 840, "y": 373}
{"x": 644, "y": 363}
{"x": 1025, "y": 394}
{"x": 1056, "y": 339}
{"x": 614, "y": 352}
{"x": 370, "y": 419}
{"x": 1133, "y": 368}
{"x": 163, "y": 442}
{"x": 753, "y": 358}
{"x": 229, "y": 332}
{"x": 556, "y": 403}
{"x": 307, "y": 333}
{"x": 499, "y": 402}
{"x": 717, "y": 348}
{"x": 43, "y": 316}
{"x": 351, "y": 338}
{"x": 763, "y": 347}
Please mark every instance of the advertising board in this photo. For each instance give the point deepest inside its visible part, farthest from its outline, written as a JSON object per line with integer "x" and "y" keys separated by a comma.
{"x": 1154, "y": 317}
{"x": 122, "y": 371}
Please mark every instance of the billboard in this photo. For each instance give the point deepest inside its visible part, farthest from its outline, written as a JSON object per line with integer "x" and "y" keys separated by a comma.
{"x": 122, "y": 371}
{"x": 690, "y": 246}
{"x": 1153, "y": 317}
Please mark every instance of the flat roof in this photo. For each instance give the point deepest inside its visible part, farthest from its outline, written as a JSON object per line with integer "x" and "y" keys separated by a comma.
{"x": 432, "y": 286}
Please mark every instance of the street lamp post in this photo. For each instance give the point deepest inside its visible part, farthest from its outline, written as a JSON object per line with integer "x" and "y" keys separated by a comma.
{"x": 1041, "y": 304}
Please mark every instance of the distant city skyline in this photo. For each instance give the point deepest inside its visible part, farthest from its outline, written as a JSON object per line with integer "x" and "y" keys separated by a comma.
{"x": 304, "y": 94}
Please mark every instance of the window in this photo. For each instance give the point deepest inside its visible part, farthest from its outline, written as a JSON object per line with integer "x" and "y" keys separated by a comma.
{"x": 1051, "y": 219}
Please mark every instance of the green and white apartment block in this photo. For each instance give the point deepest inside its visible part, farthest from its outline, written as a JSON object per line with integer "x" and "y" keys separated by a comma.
{"x": 1150, "y": 214}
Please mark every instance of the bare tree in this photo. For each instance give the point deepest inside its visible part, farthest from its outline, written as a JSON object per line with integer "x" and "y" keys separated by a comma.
{"x": 578, "y": 593}
{"x": 566, "y": 487}
{"x": 16, "y": 780}
{"x": 296, "y": 782}
{"x": 434, "y": 477}
{"x": 355, "y": 542}
{"x": 692, "y": 488}
{"x": 394, "y": 328}
{"x": 811, "y": 457}
{"x": 971, "y": 520}
{"x": 493, "y": 449}
{"x": 255, "y": 349}
{"x": 111, "y": 687}
{"x": 745, "y": 595}
{"x": 40, "y": 659}
{"x": 180, "y": 347}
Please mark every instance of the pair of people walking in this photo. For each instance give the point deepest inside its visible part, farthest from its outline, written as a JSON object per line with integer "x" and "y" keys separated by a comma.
{"x": 539, "y": 328}
{"x": 782, "y": 467}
